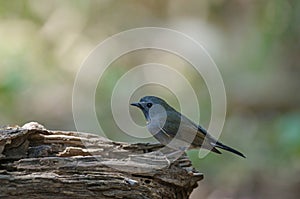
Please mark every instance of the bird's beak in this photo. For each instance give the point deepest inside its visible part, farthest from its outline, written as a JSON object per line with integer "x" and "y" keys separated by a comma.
{"x": 136, "y": 104}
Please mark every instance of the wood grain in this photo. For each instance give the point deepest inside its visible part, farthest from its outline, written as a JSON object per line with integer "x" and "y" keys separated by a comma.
{"x": 40, "y": 163}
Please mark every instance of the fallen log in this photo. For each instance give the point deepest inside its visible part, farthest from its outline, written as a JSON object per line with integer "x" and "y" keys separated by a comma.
{"x": 40, "y": 163}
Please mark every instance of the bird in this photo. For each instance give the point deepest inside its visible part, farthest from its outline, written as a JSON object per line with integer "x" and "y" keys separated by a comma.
{"x": 166, "y": 125}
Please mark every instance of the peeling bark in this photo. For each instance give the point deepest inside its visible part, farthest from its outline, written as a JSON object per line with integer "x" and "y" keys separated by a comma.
{"x": 39, "y": 163}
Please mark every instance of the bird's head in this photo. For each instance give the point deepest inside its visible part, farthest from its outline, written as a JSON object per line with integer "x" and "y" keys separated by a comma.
{"x": 151, "y": 105}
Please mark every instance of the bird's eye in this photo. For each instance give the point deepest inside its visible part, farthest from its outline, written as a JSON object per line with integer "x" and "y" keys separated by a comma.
{"x": 149, "y": 105}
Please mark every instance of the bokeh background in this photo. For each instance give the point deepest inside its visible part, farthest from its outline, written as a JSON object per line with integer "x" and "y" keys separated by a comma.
{"x": 256, "y": 45}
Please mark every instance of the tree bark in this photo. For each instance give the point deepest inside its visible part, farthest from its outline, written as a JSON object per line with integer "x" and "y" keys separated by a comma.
{"x": 39, "y": 163}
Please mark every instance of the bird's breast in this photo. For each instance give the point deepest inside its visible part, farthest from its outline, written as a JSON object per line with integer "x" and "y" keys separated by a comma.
{"x": 153, "y": 128}
{"x": 155, "y": 125}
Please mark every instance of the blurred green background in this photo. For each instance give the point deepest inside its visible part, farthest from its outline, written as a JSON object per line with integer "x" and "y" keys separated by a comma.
{"x": 256, "y": 45}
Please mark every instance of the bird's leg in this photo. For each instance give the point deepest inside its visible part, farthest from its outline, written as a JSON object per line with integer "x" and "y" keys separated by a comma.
{"x": 171, "y": 155}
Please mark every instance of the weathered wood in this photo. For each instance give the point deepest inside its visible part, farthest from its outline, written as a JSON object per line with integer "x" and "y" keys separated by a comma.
{"x": 39, "y": 163}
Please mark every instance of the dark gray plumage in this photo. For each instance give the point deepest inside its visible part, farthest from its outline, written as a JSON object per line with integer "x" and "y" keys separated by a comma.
{"x": 165, "y": 124}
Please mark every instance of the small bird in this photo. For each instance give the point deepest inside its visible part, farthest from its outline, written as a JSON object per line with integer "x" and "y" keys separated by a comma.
{"x": 166, "y": 124}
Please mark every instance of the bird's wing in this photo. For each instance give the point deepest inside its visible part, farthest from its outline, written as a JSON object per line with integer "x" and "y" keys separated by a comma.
{"x": 187, "y": 123}
{"x": 187, "y": 130}
{"x": 182, "y": 128}
{"x": 202, "y": 137}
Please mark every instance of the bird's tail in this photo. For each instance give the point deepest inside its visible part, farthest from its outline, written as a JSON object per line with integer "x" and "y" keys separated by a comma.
{"x": 227, "y": 148}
